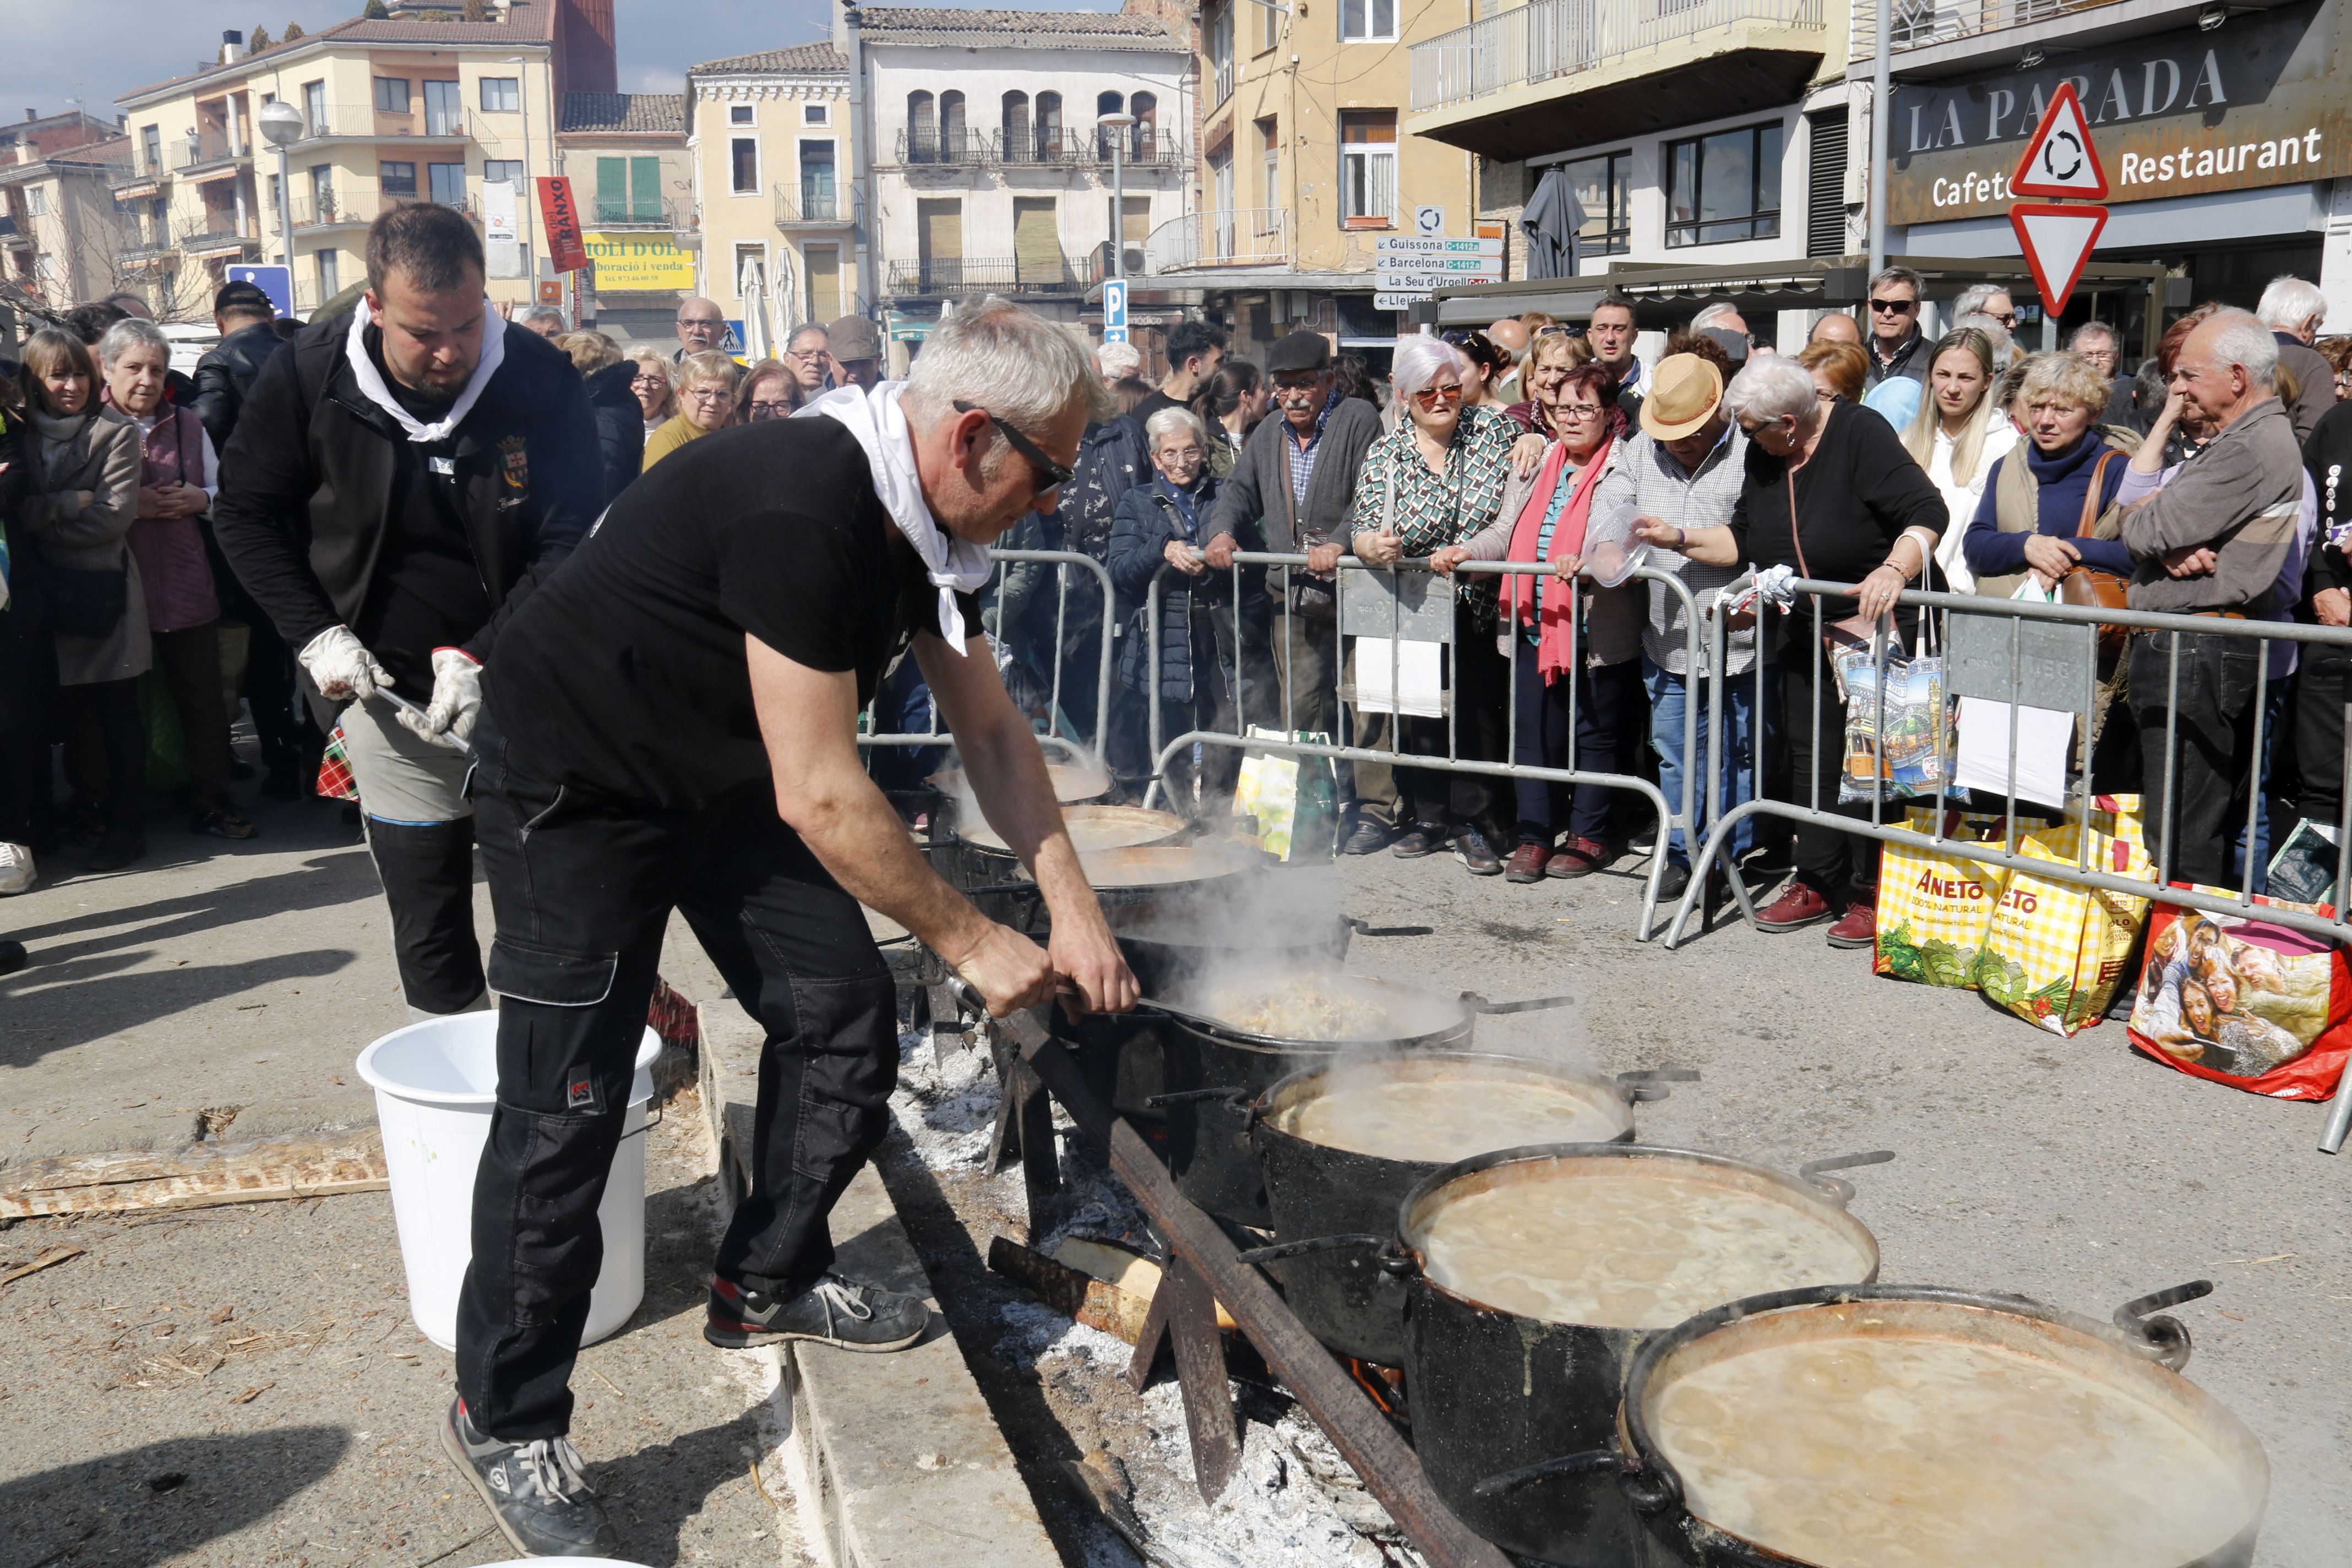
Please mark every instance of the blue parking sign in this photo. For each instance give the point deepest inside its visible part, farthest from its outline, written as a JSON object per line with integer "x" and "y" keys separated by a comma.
{"x": 278, "y": 282}
{"x": 1114, "y": 310}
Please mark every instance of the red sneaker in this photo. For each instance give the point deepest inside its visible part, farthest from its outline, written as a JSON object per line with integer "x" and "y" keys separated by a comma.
{"x": 1799, "y": 907}
{"x": 1579, "y": 858}
{"x": 1859, "y": 927}
{"x": 1527, "y": 863}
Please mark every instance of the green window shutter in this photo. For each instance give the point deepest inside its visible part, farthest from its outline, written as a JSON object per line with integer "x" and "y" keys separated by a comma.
{"x": 645, "y": 187}
{"x": 612, "y": 189}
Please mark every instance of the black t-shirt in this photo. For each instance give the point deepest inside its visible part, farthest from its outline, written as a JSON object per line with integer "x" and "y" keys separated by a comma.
{"x": 1854, "y": 497}
{"x": 1150, "y": 406}
{"x": 426, "y": 591}
{"x": 624, "y": 674}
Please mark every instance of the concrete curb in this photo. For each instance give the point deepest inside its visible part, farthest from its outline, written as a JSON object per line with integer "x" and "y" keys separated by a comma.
{"x": 907, "y": 1464}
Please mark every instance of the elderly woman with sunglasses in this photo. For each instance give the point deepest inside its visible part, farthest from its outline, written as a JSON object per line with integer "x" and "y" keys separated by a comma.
{"x": 1436, "y": 480}
{"x": 1829, "y": 492}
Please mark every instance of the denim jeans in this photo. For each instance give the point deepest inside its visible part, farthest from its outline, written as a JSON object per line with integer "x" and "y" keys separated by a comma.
{"x": 1668, "y": 693}
{"x": 582, "y": 890}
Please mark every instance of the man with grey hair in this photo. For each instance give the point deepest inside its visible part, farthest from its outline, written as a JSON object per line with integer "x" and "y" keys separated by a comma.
{"x": 2096, "y": 346}
{"x": 1896, "y": 345}
{"x": 544, "y": 320}
{"x": 672, "y": 726}
{"x": 1985, "y": 300}
{"x": 1117, "y": 361}
{"x": 2294, "y": 309}
{"x": 701, "y": 327}
{"x": 2210, "y": 542}
{"x": 810, "y": 354}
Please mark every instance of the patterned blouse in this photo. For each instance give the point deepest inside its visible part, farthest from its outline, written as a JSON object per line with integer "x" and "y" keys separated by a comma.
{"x": 1429, "y": 510}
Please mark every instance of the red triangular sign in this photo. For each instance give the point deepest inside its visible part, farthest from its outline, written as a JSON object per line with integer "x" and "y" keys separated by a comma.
{"x": 2057, "y": 242}
{"x": 2058, "y": 158}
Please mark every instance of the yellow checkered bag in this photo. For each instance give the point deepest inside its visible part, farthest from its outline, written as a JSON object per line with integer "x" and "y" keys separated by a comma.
{"x": 1933, "y": 907}
{"x": 2055, "y": 951}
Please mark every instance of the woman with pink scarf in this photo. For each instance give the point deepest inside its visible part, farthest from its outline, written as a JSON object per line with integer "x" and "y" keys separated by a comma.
{"x": 1545, "y": 518}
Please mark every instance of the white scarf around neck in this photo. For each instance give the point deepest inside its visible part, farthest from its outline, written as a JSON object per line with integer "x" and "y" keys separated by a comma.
{"x": 372, "y": 382}
{"x": 953, "y": 565}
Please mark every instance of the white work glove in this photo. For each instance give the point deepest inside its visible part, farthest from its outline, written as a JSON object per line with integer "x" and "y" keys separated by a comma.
{"x": 342, "y": 670}
{"x": 457, "y": 698}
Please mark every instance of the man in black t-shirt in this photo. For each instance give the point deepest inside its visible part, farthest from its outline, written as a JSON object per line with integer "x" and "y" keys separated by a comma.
{"x": 671, "y": 724}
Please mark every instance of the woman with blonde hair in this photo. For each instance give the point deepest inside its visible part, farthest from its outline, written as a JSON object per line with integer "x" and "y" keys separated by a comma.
{"x": 706, "y": 402}
{"x": 654, "y": 387}
{"x": 1957, "y": 436}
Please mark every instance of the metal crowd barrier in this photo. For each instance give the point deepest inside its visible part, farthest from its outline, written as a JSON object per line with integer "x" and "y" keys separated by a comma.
{"x": 1433, "y": 611}
{"x": 2032, "y": 671}
{"x": 1086, "y": 747}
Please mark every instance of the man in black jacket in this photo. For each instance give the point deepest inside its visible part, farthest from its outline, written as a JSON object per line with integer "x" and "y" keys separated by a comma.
{"x": 397, "y": 483}
{"x": 226, "y": 372}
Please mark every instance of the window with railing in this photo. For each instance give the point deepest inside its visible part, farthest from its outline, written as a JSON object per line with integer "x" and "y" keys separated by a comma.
{"x": 447, "y": 184}
{"x": 1603, "y": 189}
{"x": 397, "y": 180}
{"x": 628, "y": 190}
{"x": 820, "y": 197}
{"x": 1368, "y": 167}
{"x": 1724, "y": 187}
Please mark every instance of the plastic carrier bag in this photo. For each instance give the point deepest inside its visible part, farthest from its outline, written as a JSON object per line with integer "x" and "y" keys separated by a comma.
{"x": 2055, "y": 951}
{"x": 1294, "y": 799}
{"x": 1916, "y": 758}
{"x": 2243, "y": 1001}
{"x": 1934, "y": 906}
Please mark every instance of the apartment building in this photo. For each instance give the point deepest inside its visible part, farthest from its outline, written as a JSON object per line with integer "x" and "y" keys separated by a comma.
{"x": 419, "y": 105}
{"x": 768, "y": 151}
{"x": 62, "y": 239}
{"x": 1305, "y": 164}
{"x": 626, "y": 157}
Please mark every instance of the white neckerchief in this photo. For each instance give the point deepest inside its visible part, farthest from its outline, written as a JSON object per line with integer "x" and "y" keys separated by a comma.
{"x": 881, "y": 426}
{"x": 371, "y": 380}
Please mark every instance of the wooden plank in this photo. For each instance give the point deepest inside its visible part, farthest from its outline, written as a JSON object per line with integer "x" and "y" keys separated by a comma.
{"x": 299, "y": 1165}
{"x": 1069, "y": 1292}
{"x": 1147, "y": 1343}
{"x": 1345, "y": 1411}
{"x": 1209, "y": 1417}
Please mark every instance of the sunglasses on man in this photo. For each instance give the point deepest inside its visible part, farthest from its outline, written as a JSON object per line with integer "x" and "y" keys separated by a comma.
{"x": 1051, "y": 475}
{"x": 1894, "y": 307}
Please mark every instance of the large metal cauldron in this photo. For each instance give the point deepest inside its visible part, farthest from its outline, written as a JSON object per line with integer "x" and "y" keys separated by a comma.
{"x": 2139, "y": 1357}
{"x": 1334, "y": 1208}
{"x": 1215, "y": 1069}
{"x": 983, "y": 859}
{"x": 1176, "y": 878}
{"x": 1170, "y": 948}
{"x": 1493, "y": 1391}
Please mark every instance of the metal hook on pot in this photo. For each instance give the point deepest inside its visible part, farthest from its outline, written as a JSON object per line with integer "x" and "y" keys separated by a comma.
{"x": 1235, "y": 1098}
{"x": 1648, "y": 1084}
{"x": 2163, "y": 1339}
{"x": 1592, "y": 1462}
{"x": 1533, "y": 1005}
{"x": 1840, "y": 1192}
{"x": 1365, "y": 928}
{"x": 1301, "y": 1249}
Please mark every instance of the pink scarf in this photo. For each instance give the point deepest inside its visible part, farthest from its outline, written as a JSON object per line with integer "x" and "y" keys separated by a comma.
{"x": 1550, "y": 607}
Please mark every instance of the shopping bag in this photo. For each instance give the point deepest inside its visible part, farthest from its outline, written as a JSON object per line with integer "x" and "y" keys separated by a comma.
{"x": 1914, "y": 756}
{"x": 1933, "y": 907}
{"x": 2244, "y": 1000}
{"x": 1294, "y": 800}
{"x": 2054, "y": 950}
{"x": 335, "y": 781}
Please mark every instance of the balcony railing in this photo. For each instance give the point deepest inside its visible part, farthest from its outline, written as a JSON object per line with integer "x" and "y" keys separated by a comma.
{"x": 663, "y": 214}
{"x": 1141, "y": 147}
{"x": 1916, "y": 24}
{"x": 327, "y": 210}
{"x": 797, "y": 208}
{"x": 1558, "y": 37}
{"x": 990, "y": 275}
{"x": 364, "y": 121}
{"x": 1227, "y": 236}
{"x": 214, "y": 232}
{"x": 966, "y": 148}
{"x": 142, "y": 171}
{"x": 209, "y": 150}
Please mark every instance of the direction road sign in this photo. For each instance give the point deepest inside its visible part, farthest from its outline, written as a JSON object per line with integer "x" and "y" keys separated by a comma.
{"x": 1405, "y": 301}
{"x": 1416, "y": 245}
{"x": 2057, "y": 241}
{"x": 1407, "y": 282}
{"x": 278, "y": 282}
{"x": 2059, "y": 159}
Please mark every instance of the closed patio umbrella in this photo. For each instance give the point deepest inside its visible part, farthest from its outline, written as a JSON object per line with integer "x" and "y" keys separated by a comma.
{"x": 1552, "y": 220}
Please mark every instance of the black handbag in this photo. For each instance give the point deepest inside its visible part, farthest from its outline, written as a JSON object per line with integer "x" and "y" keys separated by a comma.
{"x": 85, "y": 603}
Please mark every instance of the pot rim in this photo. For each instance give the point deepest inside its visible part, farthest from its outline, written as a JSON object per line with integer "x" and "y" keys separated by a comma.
{"x": 1464, "y": 1021}
{"x": 1653, "y": 1483}
{"x": 1261, "y": 1108}
{"x": 1815, "y": 1192}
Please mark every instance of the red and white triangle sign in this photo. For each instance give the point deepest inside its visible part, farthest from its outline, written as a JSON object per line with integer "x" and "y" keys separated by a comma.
{"x": 2058, "y": 158}
{"x": 2057, "y": 242}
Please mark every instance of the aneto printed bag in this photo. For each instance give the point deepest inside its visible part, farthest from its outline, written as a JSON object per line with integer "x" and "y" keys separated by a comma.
{"x": 1293, "y": 799}
{"x": 2054, "y": 950}
{"x": 2244, "y": 1000}
{"x": 1933, "y": 906}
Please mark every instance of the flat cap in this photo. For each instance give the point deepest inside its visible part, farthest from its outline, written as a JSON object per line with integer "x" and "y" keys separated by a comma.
{"x": 853, "y": 338}
{"x": 1299, "y": 350}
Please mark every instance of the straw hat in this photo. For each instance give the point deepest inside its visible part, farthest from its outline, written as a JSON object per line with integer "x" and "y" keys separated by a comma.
{"x": 1684, "y": 392}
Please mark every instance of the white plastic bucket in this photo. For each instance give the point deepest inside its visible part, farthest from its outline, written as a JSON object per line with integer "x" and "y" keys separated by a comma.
{"x": 434, "y": 1085}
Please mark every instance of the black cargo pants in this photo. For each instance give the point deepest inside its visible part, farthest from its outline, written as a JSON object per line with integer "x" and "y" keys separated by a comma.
{"x": 582, "y": 890}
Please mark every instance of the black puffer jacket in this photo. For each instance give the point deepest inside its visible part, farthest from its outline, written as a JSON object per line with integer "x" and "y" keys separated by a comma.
{"x": 307, "y": 480}
{"x": 620, "y": 424}
{"x": 227, "y": 374}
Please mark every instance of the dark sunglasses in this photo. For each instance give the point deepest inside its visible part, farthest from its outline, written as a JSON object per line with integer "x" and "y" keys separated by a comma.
{"x": 1051, "y": 473}
{"x": 1891, "y": 306}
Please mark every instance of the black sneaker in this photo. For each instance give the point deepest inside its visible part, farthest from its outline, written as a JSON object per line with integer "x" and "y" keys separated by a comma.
{"x": 1470, "y": 847}
{"x": 1675, "y": 883}
{"x": 534, "y": 1490}
{"x": 833, "y": 1311}
{"x": 1426, "y": 838}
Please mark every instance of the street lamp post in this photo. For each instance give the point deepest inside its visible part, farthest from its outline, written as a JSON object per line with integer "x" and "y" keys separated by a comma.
{"x": 1116, "y": 125}
{"x": 281, "y": 127}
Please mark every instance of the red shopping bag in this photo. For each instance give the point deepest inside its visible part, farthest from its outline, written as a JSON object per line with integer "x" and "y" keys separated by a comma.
{"x": 2244, "y": 1000}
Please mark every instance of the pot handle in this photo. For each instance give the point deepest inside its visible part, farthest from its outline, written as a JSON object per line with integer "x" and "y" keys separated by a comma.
{"x": 1533, "y": 1005}
{"x": 1840, "y": 1192}
{"x": 1591, "y": 1462}
{"x": 1194, "y": 1097}
{"x": 1365, "y": 928}
{"x": 2163, "y": 1339}
{"x": 1300, "y": 1249}
{"x": 1649, "y": 1083}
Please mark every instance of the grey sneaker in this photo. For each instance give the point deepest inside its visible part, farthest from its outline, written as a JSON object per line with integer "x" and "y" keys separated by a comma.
{"x": 833, "y": 1311}
{"x": 535, "y": 1491}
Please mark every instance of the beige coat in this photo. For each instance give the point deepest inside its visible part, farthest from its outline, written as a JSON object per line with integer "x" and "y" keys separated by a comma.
{"x": 98, "y": 453}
